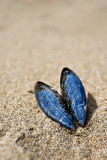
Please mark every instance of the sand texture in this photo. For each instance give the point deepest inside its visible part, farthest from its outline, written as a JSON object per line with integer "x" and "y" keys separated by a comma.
{"x": 38, "y": 39}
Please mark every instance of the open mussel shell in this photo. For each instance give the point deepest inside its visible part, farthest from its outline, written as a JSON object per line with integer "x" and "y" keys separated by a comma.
{"x": 74, "y": 94}
{"x": 53, "y": 105}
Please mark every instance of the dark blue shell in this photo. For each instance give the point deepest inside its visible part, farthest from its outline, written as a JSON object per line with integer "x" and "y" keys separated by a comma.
{"x": 74, "y": 94}
{"x": 52, "y": 105}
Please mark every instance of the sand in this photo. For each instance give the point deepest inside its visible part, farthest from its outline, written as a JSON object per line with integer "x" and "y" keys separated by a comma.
{"x": 38, "y": 39}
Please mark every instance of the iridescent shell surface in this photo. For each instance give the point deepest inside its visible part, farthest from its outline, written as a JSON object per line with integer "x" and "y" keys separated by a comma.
{"x": 74, "y": 94}
{"x": 53, "y": 105}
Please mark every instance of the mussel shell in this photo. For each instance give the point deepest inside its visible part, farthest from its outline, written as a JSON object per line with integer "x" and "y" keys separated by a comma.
{"x": 53, "y": 105}
{"x": 74, "y": 94}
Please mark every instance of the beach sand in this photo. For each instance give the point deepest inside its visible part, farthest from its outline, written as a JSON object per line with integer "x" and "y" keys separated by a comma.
{"x": 37, "y": 40}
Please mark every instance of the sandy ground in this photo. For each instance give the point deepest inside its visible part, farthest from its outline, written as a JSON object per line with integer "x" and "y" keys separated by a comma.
{"x": 38, "y": 39}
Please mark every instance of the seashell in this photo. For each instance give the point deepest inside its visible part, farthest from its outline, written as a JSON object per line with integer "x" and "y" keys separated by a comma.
{"x": 53, "y": 105}
{"x": 74, "y": 94}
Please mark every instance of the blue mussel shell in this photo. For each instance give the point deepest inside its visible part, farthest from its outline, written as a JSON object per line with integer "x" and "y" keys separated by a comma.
{"x": 74, "y": 94}
{"x": 53, "y": 105}
{"x": 61, "y": 108}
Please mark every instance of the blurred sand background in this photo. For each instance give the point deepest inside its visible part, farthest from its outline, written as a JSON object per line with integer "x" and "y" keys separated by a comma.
{"x": 38, "y": 39}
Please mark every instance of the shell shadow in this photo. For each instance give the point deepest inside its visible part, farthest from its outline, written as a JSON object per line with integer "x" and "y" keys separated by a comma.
{"x": 91, "y": 107}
